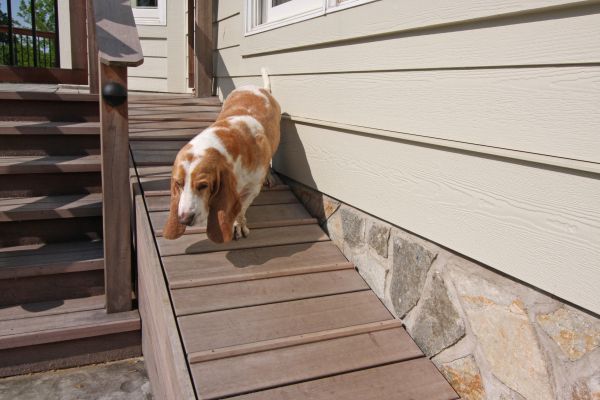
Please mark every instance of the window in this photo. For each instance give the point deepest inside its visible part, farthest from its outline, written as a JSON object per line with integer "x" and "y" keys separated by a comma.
{"x": 262, "y": 15}
{"x": 149, "y": 12}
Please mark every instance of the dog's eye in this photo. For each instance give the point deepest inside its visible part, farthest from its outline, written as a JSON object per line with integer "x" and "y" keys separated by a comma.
{"x": 201, "y": 186}
{"x": 179, "y": 184}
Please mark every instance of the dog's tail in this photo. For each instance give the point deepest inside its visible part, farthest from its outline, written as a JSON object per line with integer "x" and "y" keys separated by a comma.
{"x": 266, "y": 79}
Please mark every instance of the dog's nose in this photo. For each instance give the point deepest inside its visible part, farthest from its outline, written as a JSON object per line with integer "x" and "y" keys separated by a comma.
{"x": 186, "y": 218}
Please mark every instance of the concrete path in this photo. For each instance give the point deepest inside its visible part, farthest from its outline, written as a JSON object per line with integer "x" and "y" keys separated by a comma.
{"x": 112, "y": 381}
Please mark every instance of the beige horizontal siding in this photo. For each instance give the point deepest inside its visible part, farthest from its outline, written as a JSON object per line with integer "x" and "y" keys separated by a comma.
{"x": 552, "y": 111}
{"x": 385, "y": 16}
{"x": 229, "y": 32}
{"x": 471, "y": 123}
{"x": 227, "y": 8}
{"x": 558, "y": 37}
{"x": 148, "y": 84}
{"x": 153, "y": 67}
{"x": 152, "y": 47}
{"x": 535, "y": 224}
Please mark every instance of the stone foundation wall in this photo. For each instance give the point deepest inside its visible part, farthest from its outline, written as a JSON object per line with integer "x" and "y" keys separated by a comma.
{"x": 492, "y": 337}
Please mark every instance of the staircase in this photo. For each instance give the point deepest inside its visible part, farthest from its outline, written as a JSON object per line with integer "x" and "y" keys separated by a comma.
{"x": 51, "y": 251}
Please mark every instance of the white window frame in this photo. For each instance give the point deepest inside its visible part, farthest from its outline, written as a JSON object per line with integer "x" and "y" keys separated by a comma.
{"x": 290, "y": 12}
{"x": 151, "y": 16}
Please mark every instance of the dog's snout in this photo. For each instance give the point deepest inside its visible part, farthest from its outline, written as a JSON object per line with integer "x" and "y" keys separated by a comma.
{"x": 187, "y": 218}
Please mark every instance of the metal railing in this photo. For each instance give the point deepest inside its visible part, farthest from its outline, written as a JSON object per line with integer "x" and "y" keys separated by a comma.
{"x": 29, "y": 47}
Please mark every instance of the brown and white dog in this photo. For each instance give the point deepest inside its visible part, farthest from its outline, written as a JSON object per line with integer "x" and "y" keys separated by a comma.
{"x": 217, "y": 175}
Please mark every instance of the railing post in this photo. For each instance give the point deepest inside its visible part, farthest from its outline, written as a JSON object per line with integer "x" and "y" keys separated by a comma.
{"x": 115, "y": 187}
{"x": 203, "y": 48}
{"x": 92, "y": 48}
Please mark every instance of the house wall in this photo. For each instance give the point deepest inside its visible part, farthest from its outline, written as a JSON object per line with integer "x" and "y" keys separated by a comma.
{"x": 473, "y": 124}
{"x": 164, "y": 47}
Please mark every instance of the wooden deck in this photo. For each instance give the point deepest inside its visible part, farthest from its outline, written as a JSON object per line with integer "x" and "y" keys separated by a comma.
{"x": 279, "y": 315}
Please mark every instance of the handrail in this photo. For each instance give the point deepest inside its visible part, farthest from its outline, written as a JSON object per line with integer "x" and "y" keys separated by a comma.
{"x": 116, "y": 47}
{"x": 116, "y": 33}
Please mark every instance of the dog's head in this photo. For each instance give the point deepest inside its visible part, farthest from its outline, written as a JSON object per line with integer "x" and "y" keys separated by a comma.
{"x": 203, "y": 191}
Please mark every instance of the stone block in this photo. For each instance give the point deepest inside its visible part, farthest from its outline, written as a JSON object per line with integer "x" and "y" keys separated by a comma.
{"x": 378, "y": 236}
{"x": 436, "y": 324}
{"x": 464, "y": 376}
{"x": 410, "y": 264}
{"x": 575, "y": 333}
{"x": 505, "y": 335}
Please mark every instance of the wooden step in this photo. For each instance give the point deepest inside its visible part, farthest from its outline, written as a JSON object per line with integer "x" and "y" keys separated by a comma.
{"x": 51, "y": 272}
{"x": 68, "y": 339}
{"x": 409, "y": 380}
{"x": 17, "y": 233}
{"x": 50, "y": 184}
{"x": 260, "y": 216}
{"x": 42, "y": 106}
{"x": 49, "y": 145}
{"x": 50, "y": 207}
{"x": 45, "y": 308}
{"x": 50, "y": 259}
{"x": 49, "y": 164}
{"x": 48, "y": 128}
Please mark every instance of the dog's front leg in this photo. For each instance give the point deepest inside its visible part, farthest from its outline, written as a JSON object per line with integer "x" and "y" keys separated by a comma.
{"x": 240, "y": 226}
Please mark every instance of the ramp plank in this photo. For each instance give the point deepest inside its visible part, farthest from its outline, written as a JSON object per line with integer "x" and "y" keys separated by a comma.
{"x": 254, "y": 324}
{"x": 257, "y": 371}
{"x": 264, "y": 291}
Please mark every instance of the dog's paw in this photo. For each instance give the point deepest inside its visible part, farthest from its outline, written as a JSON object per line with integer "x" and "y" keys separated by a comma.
{"x": 240, "y": 230}
{"x": 270, "y": 180}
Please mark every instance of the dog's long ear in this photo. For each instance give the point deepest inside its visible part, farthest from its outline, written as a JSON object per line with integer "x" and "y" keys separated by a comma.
{"x": 224, "y": 206}
{"x": 173, "y": 229}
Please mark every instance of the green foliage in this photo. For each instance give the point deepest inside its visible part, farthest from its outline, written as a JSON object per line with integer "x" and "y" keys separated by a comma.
{"x": 44, "y": 14}
{"x": 23, "y": 45}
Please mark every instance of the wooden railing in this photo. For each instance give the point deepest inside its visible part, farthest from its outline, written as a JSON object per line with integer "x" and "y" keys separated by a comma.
{"x": 116, "y": 47}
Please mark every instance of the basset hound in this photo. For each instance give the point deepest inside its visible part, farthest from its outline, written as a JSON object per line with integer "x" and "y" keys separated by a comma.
{"x": 217, "y": 175}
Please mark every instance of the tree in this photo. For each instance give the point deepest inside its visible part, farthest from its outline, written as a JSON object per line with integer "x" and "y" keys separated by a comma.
{"x": 45, "y": 21}
{"x": 44, "y": 14}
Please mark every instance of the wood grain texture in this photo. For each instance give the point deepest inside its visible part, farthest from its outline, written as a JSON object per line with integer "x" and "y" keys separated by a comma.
{"x": 254, "y": 324}
{"x": 290, "y": 341}
{"x": 45, "y": 259}
{"x": 56, "y": 328}
{"x": 564, "y": 36}
{"x": 115, "y": 188}
{"x": 248, "y": 373}
{"x": 160, "y": 338}
{"x": 416, "y": 379}
{"x": 66, "y": 306}
{"x": 257, "y": 217}
{"x": 78, "y": 29}
{"x": 48, "y": 164}
{"x": 539, "y": 110}
{"x": 203, "y": 48}
{"x": 116, "y": 33}
{"x": 92, "y": 49}
{"x": 50, "y": 207}
{"x": 265, "y": 291}
{"x": 199, "y": 242}
{"x": 48, "y": 128}
{"x": 538, "y": 225}
{"x": 241, "y": 265}
{"x": 385, "y": 16}
{"x": 275, "y": 197}
{"x": 71, "y": 353}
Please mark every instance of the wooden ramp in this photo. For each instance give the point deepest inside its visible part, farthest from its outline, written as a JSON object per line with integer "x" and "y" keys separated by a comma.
{"x": 279, "y": 315}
